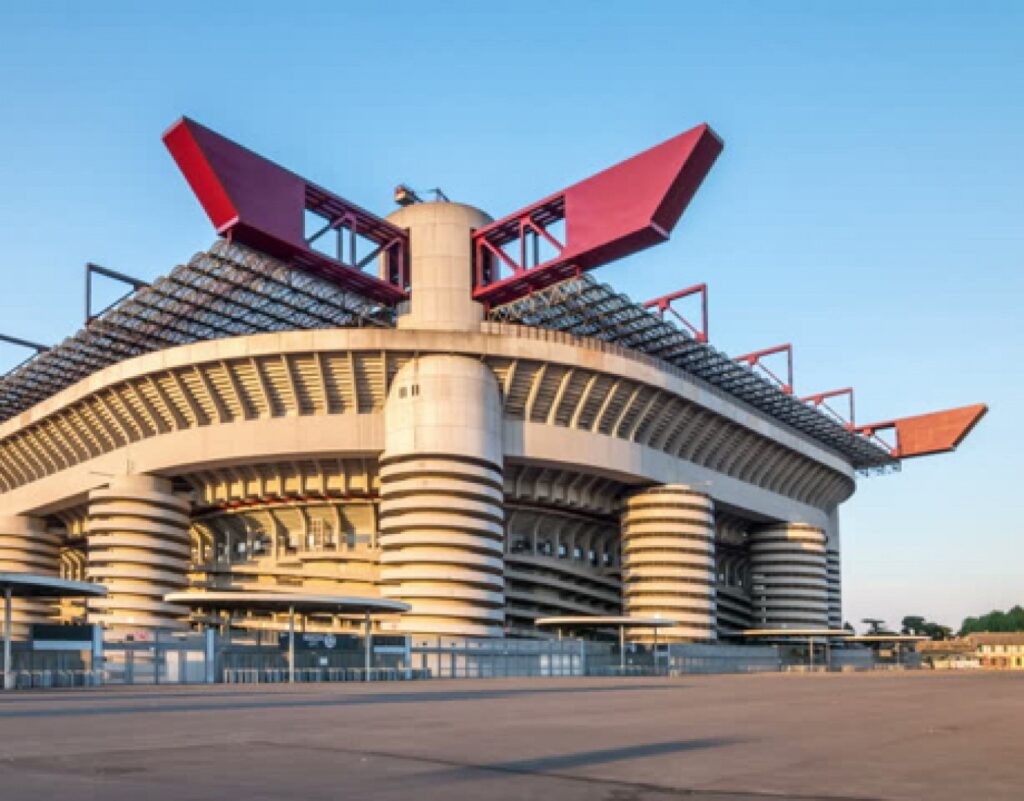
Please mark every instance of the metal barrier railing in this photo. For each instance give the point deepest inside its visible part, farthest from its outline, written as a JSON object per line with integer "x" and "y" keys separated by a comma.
{"x": 45, "y": 679}
{"x": 316, "y": 675}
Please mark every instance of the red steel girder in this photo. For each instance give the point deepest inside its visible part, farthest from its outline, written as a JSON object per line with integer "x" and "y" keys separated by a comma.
{"x": 821, "y": 398}
{"x": 260, "y": 204}
{"x": 924, "y": 434}
{"x": 755, "y": 359}
{"x": 664, "y": 304}
{"x": 618, "y": 212}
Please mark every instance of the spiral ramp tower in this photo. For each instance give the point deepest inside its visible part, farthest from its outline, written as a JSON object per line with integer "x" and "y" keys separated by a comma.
{"x": 789, "y": 585}
{"x": 139, "y": 549}
{"x": 833, "y": 566}
{"x": 26, "y": 546}
{"x": 441, "y": 513}
{"x": 668, "y": 560}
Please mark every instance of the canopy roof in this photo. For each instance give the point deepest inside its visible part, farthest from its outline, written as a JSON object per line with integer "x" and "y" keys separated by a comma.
{"x": 599, "y": 621}
{"x": 24, "y": 585}
{"x": 225, "y": 292}
{"x": 584, "y": 307}
{"x": 889, "y": 638}
{"x": 782, "y": 633}
{"x": 284, "y": 601}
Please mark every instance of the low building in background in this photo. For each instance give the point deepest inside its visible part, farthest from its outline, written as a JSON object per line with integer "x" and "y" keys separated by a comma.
{"x": 988, "y": 650}
{"x": 998, "y": 650}
{"x": 948, "y": 655}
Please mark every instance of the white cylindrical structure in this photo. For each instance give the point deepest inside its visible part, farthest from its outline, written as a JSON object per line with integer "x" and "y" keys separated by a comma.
{"x": 668, "y": 561}
{"x": 835, "y": 587}
{"x": 138, "y": 549}
{"x": 789, "y": 589}
{"x": 441, "y": 259}
{"x": 441, "y": 514}
{"x": 27, "y": 547}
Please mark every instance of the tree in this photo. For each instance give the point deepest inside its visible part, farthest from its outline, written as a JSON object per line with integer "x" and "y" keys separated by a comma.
{"x": 1011, "y": 620}
{"x": 916, "y": 624}
{"x": 875, "y": 625}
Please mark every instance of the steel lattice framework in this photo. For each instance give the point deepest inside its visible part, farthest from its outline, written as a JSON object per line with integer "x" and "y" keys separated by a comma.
{"x": 584, "y": 307}
{"x": 228, "y": 291}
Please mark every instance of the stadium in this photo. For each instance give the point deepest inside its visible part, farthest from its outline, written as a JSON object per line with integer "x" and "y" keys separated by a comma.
{"x": 437, "y": 408}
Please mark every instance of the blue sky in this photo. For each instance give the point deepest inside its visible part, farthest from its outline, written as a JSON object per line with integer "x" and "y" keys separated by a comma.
{"x": 868, "y": 205}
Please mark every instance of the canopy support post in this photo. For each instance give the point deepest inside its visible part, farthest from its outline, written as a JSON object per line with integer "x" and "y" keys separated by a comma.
{"x": 367, "y": 644}
{"x": 622, "y": 649}
{"x": 291, "y": 644}
{"x": 8, "y": 673}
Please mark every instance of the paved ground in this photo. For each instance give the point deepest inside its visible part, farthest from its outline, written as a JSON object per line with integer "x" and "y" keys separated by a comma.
{"x": 721, "y": 738}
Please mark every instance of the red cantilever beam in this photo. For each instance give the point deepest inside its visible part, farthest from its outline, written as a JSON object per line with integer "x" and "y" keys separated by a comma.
{"x": 259, "y": 203}
{"x": 620, "y": 211}
{"x": 664, "y": 304}
{"x": 924, "y": 434}
{"x": 819, "y": 399}
{"x": 753, "y": 360}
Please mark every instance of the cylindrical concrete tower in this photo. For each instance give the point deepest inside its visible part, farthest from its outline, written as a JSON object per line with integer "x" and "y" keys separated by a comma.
{"x": 441, "y": 515}
{"x": 139, "y": 549}
{"x": 27, "y": 547}
{"x": 788, "y": 579}
{"x": 668, "y": 560}
{"x": 834, "y": 573}
{"x": 441, "y": 259}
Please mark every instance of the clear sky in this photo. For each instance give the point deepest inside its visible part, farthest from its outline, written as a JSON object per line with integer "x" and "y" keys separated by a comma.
{"x": 868, "y": 205}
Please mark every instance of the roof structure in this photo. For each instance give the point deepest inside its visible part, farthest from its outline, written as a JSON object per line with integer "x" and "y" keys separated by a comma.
{"x": 34, "y": 585}
{"x": 600, "y": 621}
{"x": 227, "y": 291}
{"x": 585, "y": 307}
{"x": 304, "y": 603}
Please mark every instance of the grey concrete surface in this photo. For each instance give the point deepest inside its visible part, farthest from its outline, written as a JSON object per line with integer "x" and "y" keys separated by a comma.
{"x": 720, "y": 738}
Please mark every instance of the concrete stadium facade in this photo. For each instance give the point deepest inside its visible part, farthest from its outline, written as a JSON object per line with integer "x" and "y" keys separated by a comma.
{"x": 487, "y": 474}
{"x": 486, "y": 449}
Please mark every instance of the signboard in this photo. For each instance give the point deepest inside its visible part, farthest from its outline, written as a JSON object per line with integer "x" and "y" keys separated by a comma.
{"x": 49, "y": 637}
{"x": 339, "y": 642}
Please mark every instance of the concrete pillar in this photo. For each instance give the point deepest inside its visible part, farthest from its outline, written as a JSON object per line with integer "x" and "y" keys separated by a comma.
{"x": 789, "y": 589}
{"x": 441, "y": 263}
{"x": 668, "y": 561}
{"x": 441, "y": 511}
{"x": 139, "y": 549}
{"x": 26, "y": 546}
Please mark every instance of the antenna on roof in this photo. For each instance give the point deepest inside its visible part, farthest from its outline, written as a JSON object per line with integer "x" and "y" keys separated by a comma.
{"x": 405, "y": 195}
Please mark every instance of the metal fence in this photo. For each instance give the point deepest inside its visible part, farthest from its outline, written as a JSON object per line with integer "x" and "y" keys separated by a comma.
{"x": 449, "y": 658}
{"x": 159, "y": 658}
{"x": 712, "y": 658}
{"x": 318, "y": 675}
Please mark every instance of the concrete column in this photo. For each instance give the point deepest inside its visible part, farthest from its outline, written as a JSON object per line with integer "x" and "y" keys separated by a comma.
{"x": 139, "y": 549}
{"x": 668, "y": 561}
{"x": 27, "y": 547}
{"x": 441, "y": 511}
{"x": 441, "y": 263}
{"x": 789, "y": 589}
